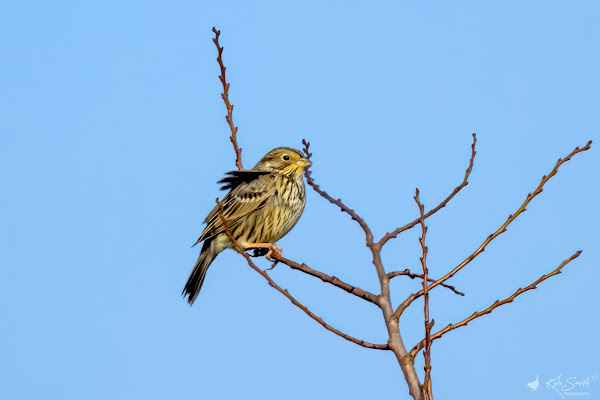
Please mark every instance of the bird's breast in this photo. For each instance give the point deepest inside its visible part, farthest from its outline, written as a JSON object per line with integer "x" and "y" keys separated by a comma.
{"x": 289, "y": 206}
{"x": 291, "y": 193}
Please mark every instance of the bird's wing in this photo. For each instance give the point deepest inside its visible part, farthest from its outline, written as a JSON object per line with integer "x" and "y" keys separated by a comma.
{"x": 236, "y": 178}
{"x": 245, "y": 198}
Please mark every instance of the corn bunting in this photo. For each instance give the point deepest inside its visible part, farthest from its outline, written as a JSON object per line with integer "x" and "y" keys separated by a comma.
{"x": 262, "y": 206}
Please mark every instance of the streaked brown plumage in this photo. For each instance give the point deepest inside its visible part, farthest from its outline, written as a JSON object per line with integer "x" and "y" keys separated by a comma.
{"x": 262, "y": 206}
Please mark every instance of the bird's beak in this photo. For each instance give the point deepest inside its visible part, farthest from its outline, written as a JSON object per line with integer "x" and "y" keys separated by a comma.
{"x": 303, "y": 162}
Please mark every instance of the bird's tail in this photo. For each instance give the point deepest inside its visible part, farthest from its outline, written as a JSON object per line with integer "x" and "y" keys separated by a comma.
{"x": 194, "y": 283}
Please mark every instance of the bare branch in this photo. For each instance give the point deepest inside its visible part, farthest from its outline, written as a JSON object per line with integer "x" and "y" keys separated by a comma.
{"x": 338, "y": 202}
{"x": 465, "y": 182}
{"x": 363, "y": 294}
{"x": 228, "y": 105}
{"x": 288, "y": 295}
{"x": 395, "y": 339}
{"x": 494, "y": 235}
{"x": 395, "y": 343}
{"x": 496, "y": 304}
{"x": 427, "y": 392}
{"x": 412, "y": 275}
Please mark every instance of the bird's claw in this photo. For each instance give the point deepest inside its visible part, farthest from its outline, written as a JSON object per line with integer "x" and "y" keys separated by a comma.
{"x": 272, "y": 265}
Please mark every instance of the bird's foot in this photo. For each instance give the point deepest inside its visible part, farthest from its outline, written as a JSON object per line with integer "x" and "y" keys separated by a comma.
{"x": 273, "y": 250}
{"x": 269, "y": 250}
{"x": 276, "y": 251}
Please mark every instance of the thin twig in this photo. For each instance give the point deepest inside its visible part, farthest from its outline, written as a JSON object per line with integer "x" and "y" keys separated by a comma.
{"x": 228, "y": 105}
{"x": 427, "y": 352}
{"x": 412, "y": 275}
{"x": 338, "y": 202}
{"x": 465, "y": 182}
{"x": 496, "y": 304}
{"x": 494, "y": 235}
{"x": 288, "y": 295}
{"x": 363, "y": 294}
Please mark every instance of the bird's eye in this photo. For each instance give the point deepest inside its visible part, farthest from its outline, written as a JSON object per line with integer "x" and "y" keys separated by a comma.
{"x": 286, "y": 157}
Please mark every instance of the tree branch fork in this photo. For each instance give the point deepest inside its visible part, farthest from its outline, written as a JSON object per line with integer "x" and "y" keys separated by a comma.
{"x": 382, "y": 300}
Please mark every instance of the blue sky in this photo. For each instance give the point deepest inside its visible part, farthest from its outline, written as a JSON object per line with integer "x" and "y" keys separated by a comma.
{"x": 113, "y": 136}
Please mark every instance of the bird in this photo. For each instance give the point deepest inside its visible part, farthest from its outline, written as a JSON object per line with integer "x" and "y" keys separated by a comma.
{"x": 263, "y": 204}
{"x": 534, "y": 385}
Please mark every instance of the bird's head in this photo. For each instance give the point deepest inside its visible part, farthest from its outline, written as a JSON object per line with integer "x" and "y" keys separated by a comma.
{"x": 284, "y": 160}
